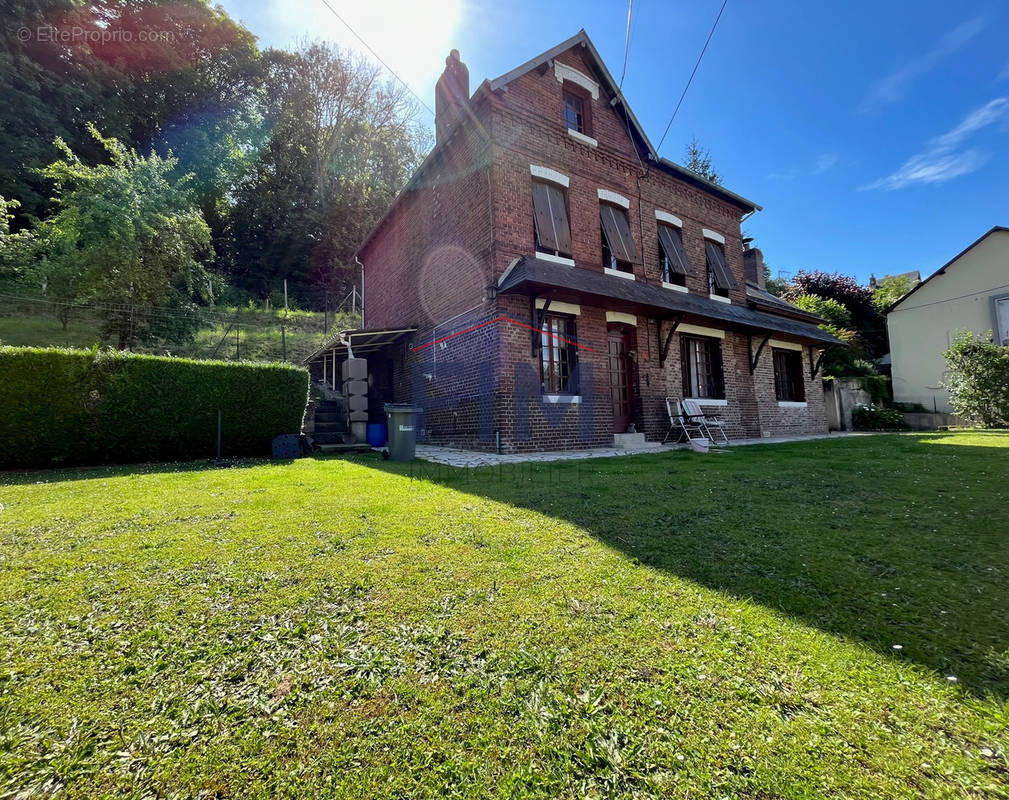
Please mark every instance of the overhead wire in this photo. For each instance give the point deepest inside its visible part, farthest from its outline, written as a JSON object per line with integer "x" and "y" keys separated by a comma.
{"x": 693, "y": 73}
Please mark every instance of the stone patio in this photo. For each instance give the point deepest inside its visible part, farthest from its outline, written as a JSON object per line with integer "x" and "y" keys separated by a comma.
{"x": 471, "y": 458}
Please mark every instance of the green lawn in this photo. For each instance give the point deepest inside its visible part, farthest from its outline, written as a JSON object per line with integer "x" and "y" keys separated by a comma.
{"x": 665, "y": 625}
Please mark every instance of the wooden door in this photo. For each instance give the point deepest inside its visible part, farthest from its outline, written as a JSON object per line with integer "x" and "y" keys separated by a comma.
{"x": 620, "y": 343}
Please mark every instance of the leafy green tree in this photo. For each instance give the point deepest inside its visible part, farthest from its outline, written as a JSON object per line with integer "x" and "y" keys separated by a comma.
{"x": 15, "y": 247}
{"x": 698, "y": 160}
{"x": 835, "y": 313}
{"x": 164, "y": 74}
{"x": 866, "y": 318}
{"x": 125, "y": 233}
{"x": 977, "y": 379}
{"x": 889, "y": 290}
{"x": 342, "y": 144}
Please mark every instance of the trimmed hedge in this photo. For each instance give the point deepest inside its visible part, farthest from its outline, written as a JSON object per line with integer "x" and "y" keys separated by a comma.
{"x": 62, "y": 407}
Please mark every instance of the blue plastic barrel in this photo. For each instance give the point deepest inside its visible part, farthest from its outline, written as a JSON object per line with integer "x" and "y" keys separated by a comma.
{"x": 377, "y": 434}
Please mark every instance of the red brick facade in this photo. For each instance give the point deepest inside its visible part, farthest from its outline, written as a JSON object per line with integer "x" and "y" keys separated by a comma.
{"x": 434, "y": 261}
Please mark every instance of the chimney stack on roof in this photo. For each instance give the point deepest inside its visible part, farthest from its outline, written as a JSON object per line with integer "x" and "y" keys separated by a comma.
{"x": 451, "y": 94}
{"x": 753, "y": 266}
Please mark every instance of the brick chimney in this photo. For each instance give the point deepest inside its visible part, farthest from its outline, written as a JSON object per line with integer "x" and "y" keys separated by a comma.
{"x": 451, "y": 94}
{"x": 753, "y": 266}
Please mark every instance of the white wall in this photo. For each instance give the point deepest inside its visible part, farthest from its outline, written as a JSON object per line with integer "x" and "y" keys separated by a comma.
{"x": 923, "y": 326}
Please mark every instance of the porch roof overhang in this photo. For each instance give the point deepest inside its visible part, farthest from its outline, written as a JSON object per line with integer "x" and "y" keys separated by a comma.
{"x": 535, "y": 277}
{"x": 361, "y": 341}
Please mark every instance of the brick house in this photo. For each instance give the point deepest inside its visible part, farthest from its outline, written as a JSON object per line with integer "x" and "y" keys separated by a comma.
{"x": 545, "y": 280}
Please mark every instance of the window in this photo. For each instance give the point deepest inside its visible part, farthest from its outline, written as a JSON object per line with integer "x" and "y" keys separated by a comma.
{"x": 550, "y": 219}
{"x": 701, "y": 359}
{"x": 672, "y": 257}
{"x": 577, "y": 116}
{"x": 619, "y": 250}
{"x": 719, "y": 277}
{"x": 788, "y": 383}
{"x": 1001, "y": 320}
{"x": 558, "y": 354}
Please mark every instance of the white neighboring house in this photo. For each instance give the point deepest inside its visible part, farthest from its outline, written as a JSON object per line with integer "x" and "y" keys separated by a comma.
{"x": 970, "y": 292}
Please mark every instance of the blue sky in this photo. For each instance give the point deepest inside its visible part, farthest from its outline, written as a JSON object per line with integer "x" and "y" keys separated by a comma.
{"x": 874, "y": 134}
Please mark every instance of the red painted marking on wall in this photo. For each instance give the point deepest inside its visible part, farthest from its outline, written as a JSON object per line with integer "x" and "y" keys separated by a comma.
{"x": 501, "y": 319}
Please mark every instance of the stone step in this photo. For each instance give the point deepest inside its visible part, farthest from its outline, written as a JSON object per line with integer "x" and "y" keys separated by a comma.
{"x": 344, "y": 448}
{"x": 329, "y": 437}
{"x": 331, "y": 427}
{"x": 629, "y": 441}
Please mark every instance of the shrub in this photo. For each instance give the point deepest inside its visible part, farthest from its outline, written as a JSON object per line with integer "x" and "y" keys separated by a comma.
{"x": 62, "y": 407}
{"x": 874, "y": 418}
{"x": 977, "y": 379}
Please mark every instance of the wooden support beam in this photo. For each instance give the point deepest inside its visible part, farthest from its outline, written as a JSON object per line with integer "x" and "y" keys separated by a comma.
{"x": 536, "y": 317}
{"x": 755, "y": 358}
{"x": 665, "y": 342}
{"x": 814, "y": 362}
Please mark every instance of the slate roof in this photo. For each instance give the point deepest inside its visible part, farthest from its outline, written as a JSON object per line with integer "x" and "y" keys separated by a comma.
{"x": 537, "y": 277}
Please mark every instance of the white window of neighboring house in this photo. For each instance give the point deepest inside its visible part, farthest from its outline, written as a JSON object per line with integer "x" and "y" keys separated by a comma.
{"x": 1002, "y": 320}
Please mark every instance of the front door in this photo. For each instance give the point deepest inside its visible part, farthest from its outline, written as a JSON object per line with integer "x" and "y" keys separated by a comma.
{"x": 620, "y": 343}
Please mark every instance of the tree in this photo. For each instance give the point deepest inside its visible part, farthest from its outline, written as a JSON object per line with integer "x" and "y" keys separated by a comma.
{"x": 858, "y": 300}
{"x": 15, "y": 247}
{"x": 342, "y": 144}
{"x": 977, "y": 379}
{"x": 889, "y": 290}
{"x": 126, "y": 232}
{"x": 698, "y": 160}
{"x": 167, "y": 74}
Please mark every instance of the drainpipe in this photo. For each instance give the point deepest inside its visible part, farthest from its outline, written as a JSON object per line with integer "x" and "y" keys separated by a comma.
{"x": 346, "y": 343}
{"x": 361, "y": 264}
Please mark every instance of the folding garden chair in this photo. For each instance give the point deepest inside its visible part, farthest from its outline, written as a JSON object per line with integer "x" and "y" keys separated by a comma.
{"x": 681, "y": 423}
{"x": 709, "y": 425}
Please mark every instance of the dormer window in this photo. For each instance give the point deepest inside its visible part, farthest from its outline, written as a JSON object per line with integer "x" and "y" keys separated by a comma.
{"x": 577, "y": 116}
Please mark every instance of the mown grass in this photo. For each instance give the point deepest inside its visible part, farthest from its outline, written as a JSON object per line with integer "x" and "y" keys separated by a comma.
{"x": 655, "y": 626}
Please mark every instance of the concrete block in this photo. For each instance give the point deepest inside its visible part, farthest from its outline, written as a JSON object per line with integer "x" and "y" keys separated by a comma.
{"x": 359, "y": 430}
{"x": 358, "y": 416}
{"x": 357, "y": 402}
{"x": 355, "y": 369}
{"x": 355, "y": 387}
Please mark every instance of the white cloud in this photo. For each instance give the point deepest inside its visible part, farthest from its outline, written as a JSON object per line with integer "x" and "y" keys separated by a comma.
{"x": 892, "y": 88}
{"x": 824, "y": 162}
{"x": 943, "y": 159}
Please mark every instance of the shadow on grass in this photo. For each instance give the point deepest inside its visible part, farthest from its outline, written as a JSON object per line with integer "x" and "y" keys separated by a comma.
{"x": 887, "y": 540}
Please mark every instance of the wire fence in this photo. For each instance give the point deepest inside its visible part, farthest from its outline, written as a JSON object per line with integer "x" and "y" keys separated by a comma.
{"x": 244, "y": 333}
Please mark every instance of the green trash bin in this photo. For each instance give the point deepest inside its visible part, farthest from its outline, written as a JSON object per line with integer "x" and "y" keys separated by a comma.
{"x": 402, "y": 431}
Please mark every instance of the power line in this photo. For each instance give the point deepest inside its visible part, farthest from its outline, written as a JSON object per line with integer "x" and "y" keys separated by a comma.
{"x": 627, "y": 43}
{"x": 377, "y": 56}
{"x": 691, "y": 79}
